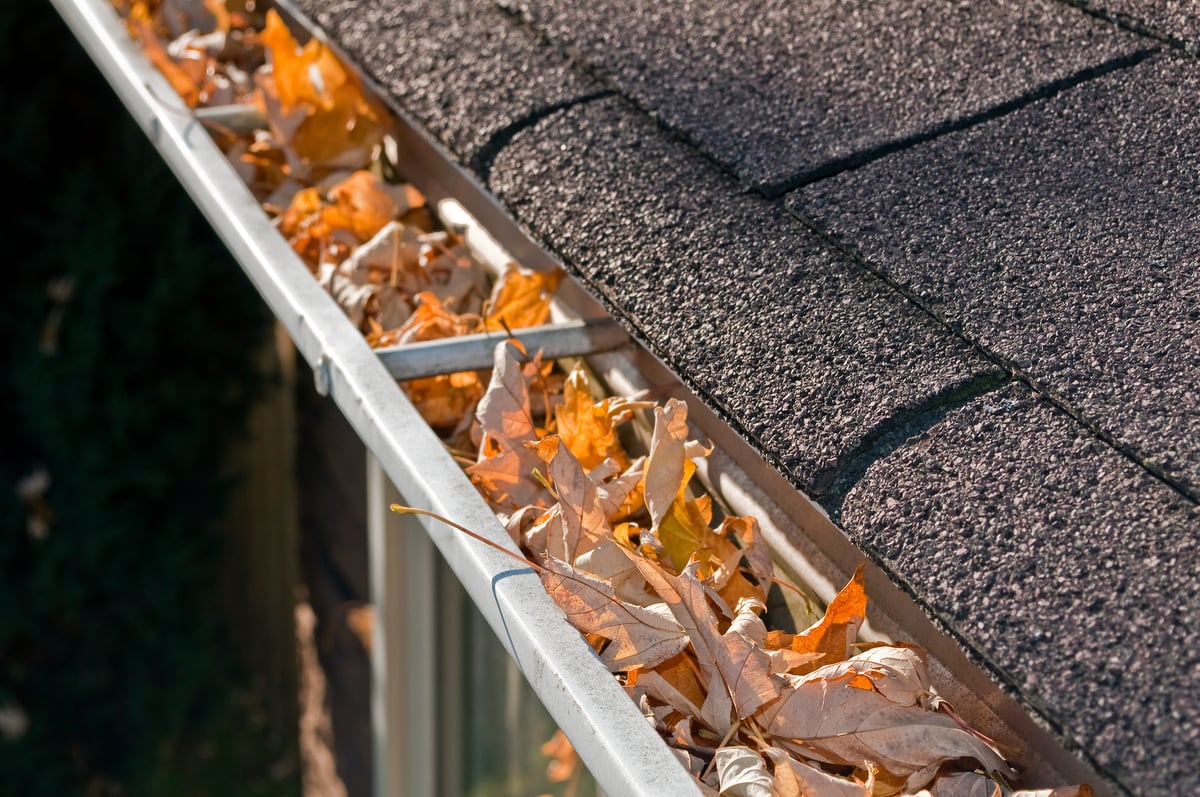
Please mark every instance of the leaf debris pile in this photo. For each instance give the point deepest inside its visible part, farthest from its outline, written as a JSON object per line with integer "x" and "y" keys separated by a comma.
{"x": 312, "y": 148}
{"x": 673, "y": 600}
{"x": 671, "y": 594}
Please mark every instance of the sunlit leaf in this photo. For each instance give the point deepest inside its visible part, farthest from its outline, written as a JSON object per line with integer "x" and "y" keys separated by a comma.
{"x": 640, "y": 636}
{"x": 522, "y": 297}
{"x": 742, "y": 772}
{"x": 584, "y": 520}
{"x": 797, "y": 778}
{"x": 833, "y": 635}
{"x": 322, "y": 114}
{"x": 837, "y": 721}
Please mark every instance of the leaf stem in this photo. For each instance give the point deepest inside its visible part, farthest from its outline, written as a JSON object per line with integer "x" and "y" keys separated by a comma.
{"x": 412, "y": 510}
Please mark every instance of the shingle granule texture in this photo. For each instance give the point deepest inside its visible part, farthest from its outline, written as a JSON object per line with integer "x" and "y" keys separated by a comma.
{"x": 809, "y": 354}
{"x": 1070, "y": 566}
{"x": 1178, "y": 20}
{"x": 779, "y": 90}
{"x": 464, "y": 70}
{"x": 1064, "y": 238}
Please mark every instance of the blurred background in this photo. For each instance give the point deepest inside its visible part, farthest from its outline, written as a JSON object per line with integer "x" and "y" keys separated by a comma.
{"x": 135, "y": 355}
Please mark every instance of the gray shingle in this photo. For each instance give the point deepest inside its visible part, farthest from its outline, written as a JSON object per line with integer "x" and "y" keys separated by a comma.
{"x": 780, "y": 89}
{"x": 1065, "y": 238}
{"x": 1068, "y": 564}
{"x": 808, "y": 353}
{"x": 1177, "y": 20}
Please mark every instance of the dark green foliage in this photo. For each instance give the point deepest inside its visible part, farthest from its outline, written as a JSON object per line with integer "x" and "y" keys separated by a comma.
{"x": 110, "y": 635}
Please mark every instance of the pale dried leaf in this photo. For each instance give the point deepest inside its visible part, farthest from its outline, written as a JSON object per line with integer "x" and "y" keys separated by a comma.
{"x": 737, "y": 671}
{"x": 584, "y": 521}
{"x": 653, "y": 684}
{"x": 506, "y": 421}
{"x": 962, "y": 784}
{"x": 608, "y": 561}
{"x": 352, "y": 296}
{"x": 898, "y": 672}
{"x": 742, "y": 772}
{"x": 639, "y": 636}
{"x": 838, "y": 721}
{"x": 665, "y": 464}
{"x": 795, "y": 778}
{"x": 618, "y": 494}
{"x": 506, "y": 481}
{"x": 503, "y": 412}
{"x": 518, "y": 523}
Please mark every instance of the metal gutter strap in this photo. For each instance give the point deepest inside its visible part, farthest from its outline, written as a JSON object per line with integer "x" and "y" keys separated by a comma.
{"x": 477, "y": 352}
{"x": 615, "y": 741}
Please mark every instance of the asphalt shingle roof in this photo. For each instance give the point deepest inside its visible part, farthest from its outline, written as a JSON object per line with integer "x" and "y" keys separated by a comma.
{"x": 1064, "y": 238}
{"x": 972, "y": 332}
{"x": 1177, "y": 21}
{"x": 782, "y": 91}
{"x": 1070, "y": 567}
{"x": 461, "y": 67}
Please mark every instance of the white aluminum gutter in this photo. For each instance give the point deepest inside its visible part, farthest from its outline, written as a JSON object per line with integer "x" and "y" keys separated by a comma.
{"x": 614, "y": 740}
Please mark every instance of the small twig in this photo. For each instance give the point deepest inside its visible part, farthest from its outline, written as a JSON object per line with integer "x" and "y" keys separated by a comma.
{"x": 705, "y": 753}
{"x": 724, "y": 741}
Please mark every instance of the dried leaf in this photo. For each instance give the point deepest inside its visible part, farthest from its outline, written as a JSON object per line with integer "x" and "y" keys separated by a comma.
{"x": 833, "y": 635}
{"x": 757, "y": 555}
{"x": 638, "y": 636}
{"x": 898, "y": 672}
{"x": 742, "y": 772}
{"x": 621, "y": 495}
{"x": 796, "y": 778}
{"x": 506, "y": 465}
{"x": 589, "y": 428}
{"x": 361, "y": 620}
{"x": 316, "y": 107}
{"x": 565, "y": 761}
{"x": 675, "y": 683}
{"x": 665, "y": 466}
{"x": 182, "y": 81}
{"x": 608, "y": 561}
{"x": 584, "y": 521}
{"x": 963, "y": 784}
{"x": 836, "y": 721}
{"x": 734, "y": 669}
{"x": 522, "y": 297}
{"x": 364, "y": 204}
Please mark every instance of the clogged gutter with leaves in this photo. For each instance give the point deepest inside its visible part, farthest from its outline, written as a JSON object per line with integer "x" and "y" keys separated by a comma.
{"x": 671, "y": 593}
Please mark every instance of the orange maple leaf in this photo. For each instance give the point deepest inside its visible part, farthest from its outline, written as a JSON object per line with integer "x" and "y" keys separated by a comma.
{"x": 316, "y": 107}
{"x": 833, "y": 635}
{"x": 521, "y": 298}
